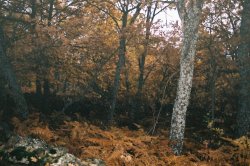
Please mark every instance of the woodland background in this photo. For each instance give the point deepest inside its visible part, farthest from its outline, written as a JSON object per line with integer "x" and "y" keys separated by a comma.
{"x": 64, "y": 56}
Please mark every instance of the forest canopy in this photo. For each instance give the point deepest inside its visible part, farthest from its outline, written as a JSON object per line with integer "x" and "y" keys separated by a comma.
{"x": 122, "y": 63}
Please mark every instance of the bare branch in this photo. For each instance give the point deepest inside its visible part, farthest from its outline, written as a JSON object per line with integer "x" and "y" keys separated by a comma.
{"x": 103, "y": 10}
{"x": 136, "y": 14}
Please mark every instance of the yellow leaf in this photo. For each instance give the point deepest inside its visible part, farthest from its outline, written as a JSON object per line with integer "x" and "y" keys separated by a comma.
{"x": 33, "y": 159}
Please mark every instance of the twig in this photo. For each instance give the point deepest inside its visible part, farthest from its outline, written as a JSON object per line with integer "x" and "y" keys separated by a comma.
{"x": 156, "y": 120}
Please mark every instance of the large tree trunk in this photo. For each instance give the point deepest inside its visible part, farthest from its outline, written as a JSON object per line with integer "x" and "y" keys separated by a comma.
{"x": 10, "y": 81}
{"x": 243, "y": 118}
{"x": 189, "y": 12}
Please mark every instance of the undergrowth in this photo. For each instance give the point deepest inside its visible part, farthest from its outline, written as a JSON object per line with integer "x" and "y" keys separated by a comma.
{"x": 121, "y": 146}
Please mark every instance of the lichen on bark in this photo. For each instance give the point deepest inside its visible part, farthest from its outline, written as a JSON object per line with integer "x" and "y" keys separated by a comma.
{"x": 189, "y": 12}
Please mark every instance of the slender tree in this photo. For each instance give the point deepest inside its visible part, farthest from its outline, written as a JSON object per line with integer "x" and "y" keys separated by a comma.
{"x": 189, "y": 12}
{"x": 243, "y": 118}
{"x": 122, "y": 50}
{"x": 125, "y": 7}
{"x": 151, "y": 12}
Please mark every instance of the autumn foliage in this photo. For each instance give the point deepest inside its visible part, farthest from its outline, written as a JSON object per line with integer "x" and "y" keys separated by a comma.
{"x": 65, "y": 56}
{"x": 121, "y": 146}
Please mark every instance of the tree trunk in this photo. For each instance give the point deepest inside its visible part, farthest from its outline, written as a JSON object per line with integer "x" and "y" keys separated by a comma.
{"x": 38, "y": 87}
{"x": 120, "y": 64}
{"x": 189, "y": 12}
{"x": 212, "y": 76}
{"x": 10, "y": 80}
{"x": 142, "y": 59}
{"x": 243, "y": 117}
{"x": 212, "y": 84}
{"x": 46, "y": 95}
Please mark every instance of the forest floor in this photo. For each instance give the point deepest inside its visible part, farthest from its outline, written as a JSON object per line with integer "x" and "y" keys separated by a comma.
{"x": 121, "y": 146}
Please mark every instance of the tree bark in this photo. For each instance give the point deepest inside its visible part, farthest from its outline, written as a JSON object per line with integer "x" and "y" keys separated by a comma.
{"x": 142, "y": 57}
{"x": 10, "y": 81}
{"x": 38, "y": 87}
{"x": 120, "y": 64}
{"x": 189, "y": 12}
{"x": 142, "y": 60}
{"x": 151, "y": 13}
{"x": 46, "y": 95}
{"x": 212, "y": 77}
{"x": 243, "y": 117}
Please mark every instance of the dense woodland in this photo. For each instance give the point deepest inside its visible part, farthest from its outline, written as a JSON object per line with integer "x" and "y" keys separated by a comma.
{"x": 115, "y": 79}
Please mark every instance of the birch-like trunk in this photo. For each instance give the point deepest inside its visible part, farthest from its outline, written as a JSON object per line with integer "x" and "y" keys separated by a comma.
{"x": 189, "y": 12}
{"x": 10, "y": 81}
{"x": 243, "y": 117}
